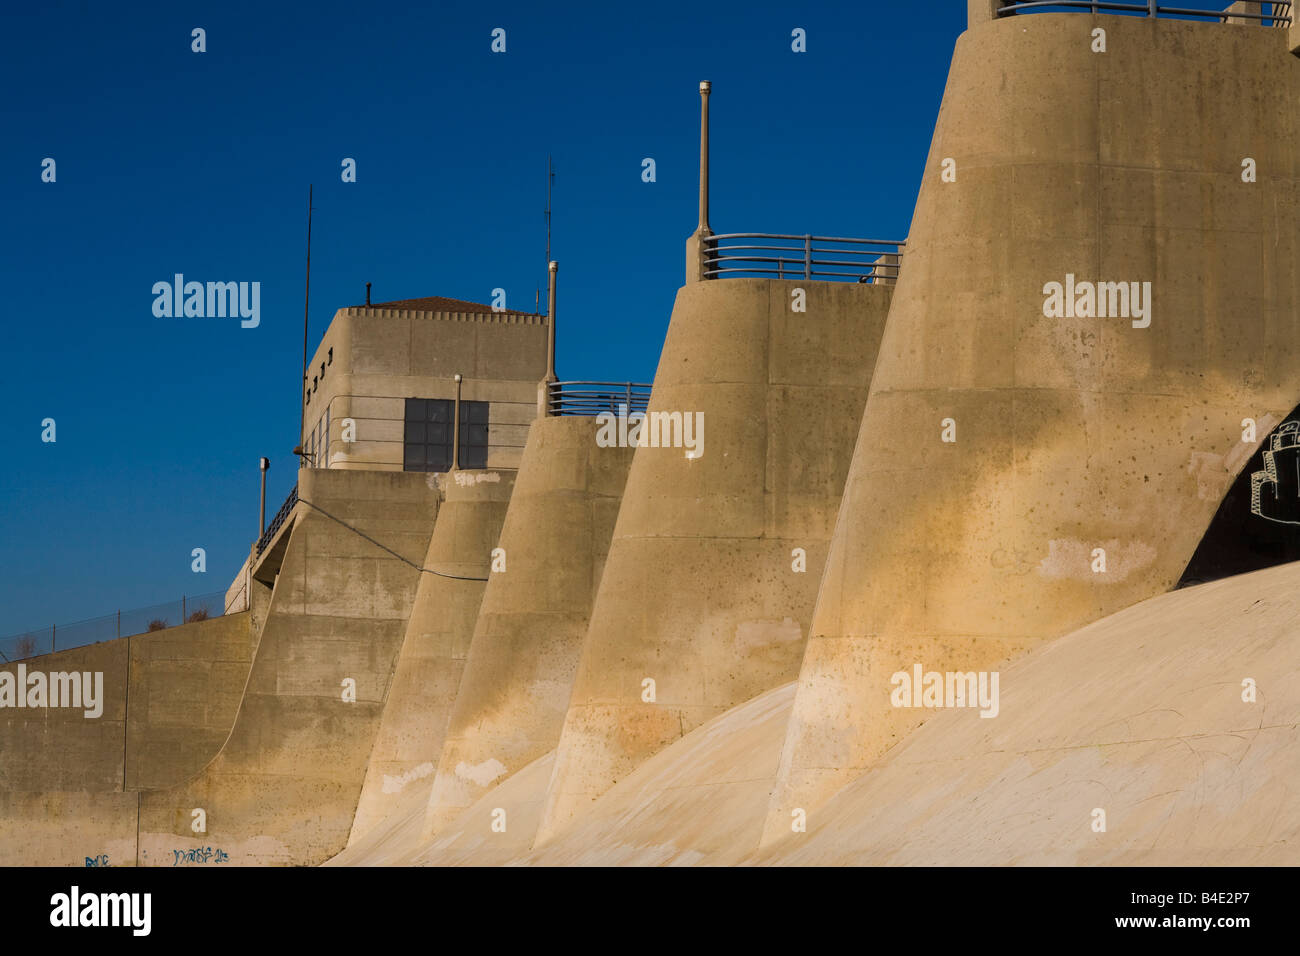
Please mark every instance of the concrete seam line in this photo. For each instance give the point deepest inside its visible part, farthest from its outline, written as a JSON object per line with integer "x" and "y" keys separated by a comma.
{"x": 404, "y": 560}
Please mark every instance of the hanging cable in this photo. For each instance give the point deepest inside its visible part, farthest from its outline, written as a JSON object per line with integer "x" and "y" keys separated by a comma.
{"x": 441, "y": 574}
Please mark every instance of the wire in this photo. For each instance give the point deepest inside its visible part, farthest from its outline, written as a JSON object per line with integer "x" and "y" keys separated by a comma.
{"x": 404, "y": 560}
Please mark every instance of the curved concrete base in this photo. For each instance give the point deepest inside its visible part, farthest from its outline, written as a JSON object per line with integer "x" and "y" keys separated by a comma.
{"x": 1090, "y": 453}
{"x": 1139, "y": 715}
{"x": 713, "y": 571}
{"x": 530, "y": 627}
{"x": 432, "y": 660}
{"x": 285, "y": 785}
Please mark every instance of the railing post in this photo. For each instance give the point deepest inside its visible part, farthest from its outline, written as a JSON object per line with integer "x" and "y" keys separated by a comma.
{"x": 705, "y": 88}
{"x": 54, "y": 633}
{"x": 1152, "y": 10}
{"x": 183, "y": 609}
{"x": 629, "y": 398}
{"x": 544, "y": 389}
{"x": 696, "y": 245}
{"x": 119, "y": 622}
{"x": 807, "y": 257}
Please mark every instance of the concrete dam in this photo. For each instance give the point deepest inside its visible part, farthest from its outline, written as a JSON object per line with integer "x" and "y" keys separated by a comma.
{"x": 915, "y": 552}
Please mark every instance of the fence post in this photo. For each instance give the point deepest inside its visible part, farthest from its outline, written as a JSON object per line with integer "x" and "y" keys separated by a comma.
{"x": 119, "y": 622}
{"x": 1152, "y": 11}
{"x": 629, "y": 398}
{"x": 807, "y": 257}
{"x": 54, "y": 634}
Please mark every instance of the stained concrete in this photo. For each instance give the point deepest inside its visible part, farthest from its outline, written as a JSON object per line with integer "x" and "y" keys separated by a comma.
{"x": 713, "y": 571}
{"x": 1140, "y": 715}
{"x": 528, "y": 637}
{"x": 66, "y": 780}
{"x": 286, "y": 783}
{"x": 1072, "y": 435}
{"x": 400, "y": 773}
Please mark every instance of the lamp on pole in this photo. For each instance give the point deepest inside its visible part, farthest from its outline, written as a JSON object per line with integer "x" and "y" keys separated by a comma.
{"x": 264, "y": 464}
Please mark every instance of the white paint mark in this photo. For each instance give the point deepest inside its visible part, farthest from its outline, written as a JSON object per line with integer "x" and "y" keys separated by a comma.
{"x": 481, "y": 774}
{"x": 396, "y": 784}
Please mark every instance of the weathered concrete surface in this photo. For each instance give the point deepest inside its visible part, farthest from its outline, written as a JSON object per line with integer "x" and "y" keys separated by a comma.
{"x": 496, "y": 829}
{"x": 399, "y": 776}
{"x": 371, "y": 358}
{"x": 703, "y": 799}
{"x": 701, "y": 594}
{"x": 534, "y": 615}
{"x": 1072, "y": 434}
{"x": 186, "y": 683}
{"x": 285, "y": 785}
{"x": 1140, "y": 715}
{"x": 65, "y": 777}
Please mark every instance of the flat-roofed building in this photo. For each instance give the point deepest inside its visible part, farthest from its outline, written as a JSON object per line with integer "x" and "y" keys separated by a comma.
{"x": 381, "y": 387}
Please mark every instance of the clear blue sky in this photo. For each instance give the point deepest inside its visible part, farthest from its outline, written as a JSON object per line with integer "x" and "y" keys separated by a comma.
{"x": 171, "y": 161}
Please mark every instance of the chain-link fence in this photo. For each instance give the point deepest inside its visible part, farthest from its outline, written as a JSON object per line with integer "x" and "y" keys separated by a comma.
{"x": 140, "y": 620}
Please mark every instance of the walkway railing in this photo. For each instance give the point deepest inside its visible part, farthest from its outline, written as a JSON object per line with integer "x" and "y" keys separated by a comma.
{"x": 592, "y": 398}
{"x": 756, "y": 254}
{"x": 280, "y": 518}
{"x": 140, "y": 620}
{"x": 1273, "y": 14}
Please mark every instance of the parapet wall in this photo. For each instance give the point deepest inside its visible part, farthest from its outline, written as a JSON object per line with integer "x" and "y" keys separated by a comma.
{"x": 1090, "y": 453}
{"x": 713, "y": 570}
{"x": 65, "y": 777}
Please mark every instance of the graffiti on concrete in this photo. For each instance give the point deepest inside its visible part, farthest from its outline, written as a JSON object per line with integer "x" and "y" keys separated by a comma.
{"x": 199, "y": 855}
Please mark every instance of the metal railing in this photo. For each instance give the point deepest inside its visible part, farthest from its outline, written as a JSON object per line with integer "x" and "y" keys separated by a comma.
{"x": 754, "y": 254}
{"x": 592, "y": 398}
{"x": 280, "y": 518}
{"x": 1274, "y": 14}
{"x": 108, "y": 627}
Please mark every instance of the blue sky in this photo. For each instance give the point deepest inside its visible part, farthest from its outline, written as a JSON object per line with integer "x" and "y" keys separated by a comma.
{"x": 173, "y": 161}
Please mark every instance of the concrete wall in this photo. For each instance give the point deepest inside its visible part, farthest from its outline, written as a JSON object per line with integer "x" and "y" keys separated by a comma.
{"x": 65, "y": 778}
{"x": 701, "y": 594}
{"x": 1072, "y": 434}
{"x": 383, "y": 356}
{"x": 534, "y": 615}
{"x": 399, "y": 776}
{"x": 285, "y": 785}
{"x": 186, "y": 683}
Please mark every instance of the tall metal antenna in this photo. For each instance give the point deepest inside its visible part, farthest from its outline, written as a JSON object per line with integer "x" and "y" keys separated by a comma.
{"x": 550, "y": 180}
{"x": 306, "y": 301}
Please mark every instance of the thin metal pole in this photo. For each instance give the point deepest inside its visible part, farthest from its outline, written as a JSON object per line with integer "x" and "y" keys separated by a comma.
{"x": 455, "y": 431}
{"x": 705, "y": 88}
{"x": 182, "y": 608}
{"x": 263, "y": 465}
{"x": 306, "y": 301}
{"x": 552, "y": 270}
{"x": 550, "y": 181}
{"x": 119, "y": 622}
{"x": 1152, "y": 11}
{"x": 54, "y": 631}
{"x": 807, "y": 257}
{"x": 126, "y": 713}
